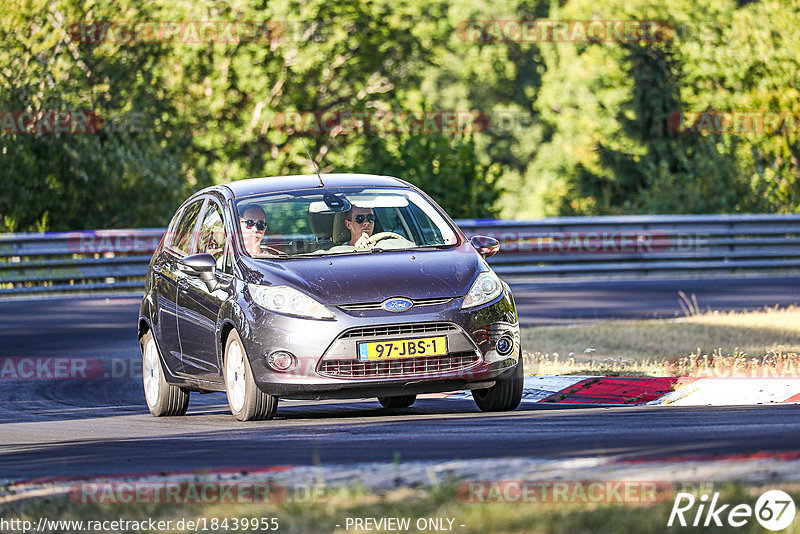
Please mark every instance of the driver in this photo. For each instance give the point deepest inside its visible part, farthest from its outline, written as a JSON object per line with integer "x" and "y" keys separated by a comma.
{"x": 254, "y": 224}
{"x": 361, "y": 223}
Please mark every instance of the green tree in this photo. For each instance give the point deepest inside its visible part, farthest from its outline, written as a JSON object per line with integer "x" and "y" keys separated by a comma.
{"x": 126, "y": 174}
{"x": 668, "y": 171}
{"x": 608, "y": 149}
{"x": 587, "y": 119}
{"x": 447, "y": 170}
{"x": 335, "y": 56}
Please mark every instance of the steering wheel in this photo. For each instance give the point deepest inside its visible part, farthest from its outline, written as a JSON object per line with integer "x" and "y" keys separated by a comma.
{"x": 384, "y": 235}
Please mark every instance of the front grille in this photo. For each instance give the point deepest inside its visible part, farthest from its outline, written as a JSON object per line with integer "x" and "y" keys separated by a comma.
{"x": 399, "y": 329}
{"x": 405, "y": 367}
{"x": 377, "y": 305}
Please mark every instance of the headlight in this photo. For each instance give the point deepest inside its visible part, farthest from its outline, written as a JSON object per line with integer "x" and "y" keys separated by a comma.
{"x": 485, "y": 289}
{"x": 283, "y": 299}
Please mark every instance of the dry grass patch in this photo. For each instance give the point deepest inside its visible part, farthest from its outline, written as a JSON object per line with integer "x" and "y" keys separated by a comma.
{"x": 770, "y": 336}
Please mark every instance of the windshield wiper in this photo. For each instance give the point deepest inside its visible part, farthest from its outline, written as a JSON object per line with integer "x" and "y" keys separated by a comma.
{"x": 439, "y": 245}
{"x": 415, "y": 247}
{"x": 326, "y": 253}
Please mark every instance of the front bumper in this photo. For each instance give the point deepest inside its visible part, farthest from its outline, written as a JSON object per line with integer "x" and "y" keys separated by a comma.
{"x": 327, "y": 364}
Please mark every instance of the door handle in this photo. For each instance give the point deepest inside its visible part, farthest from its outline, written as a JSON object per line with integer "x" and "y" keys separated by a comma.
{"x": 183, "y": 284}
{"x": 157, "y": 268}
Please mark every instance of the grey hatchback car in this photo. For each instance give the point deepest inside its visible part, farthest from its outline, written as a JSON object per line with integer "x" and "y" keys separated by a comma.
{"x": 317, "y": 287}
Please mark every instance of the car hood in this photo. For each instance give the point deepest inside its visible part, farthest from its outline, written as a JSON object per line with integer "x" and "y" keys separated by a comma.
{"x": 373, "y": 277}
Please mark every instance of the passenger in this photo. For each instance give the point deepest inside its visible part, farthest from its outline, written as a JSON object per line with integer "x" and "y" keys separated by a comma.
{"x": 361, "y": 223}
{"x": 254, "y": 224}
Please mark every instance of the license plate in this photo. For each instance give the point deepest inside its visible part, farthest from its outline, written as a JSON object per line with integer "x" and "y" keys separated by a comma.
{"x": 402, "y": 348}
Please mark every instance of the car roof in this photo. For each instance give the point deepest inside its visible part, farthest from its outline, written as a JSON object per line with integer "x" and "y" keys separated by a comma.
{"x": 253, "y": 186}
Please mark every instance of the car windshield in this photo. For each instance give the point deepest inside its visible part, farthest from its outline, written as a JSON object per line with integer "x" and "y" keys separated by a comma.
{"x": 341, "y": 221}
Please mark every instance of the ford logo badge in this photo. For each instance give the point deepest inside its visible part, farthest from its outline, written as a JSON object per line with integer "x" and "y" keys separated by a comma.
{"x": 397, "y": 305}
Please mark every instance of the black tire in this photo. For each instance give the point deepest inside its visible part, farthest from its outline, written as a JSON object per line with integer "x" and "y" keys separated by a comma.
{"x": 162, "y": 397}
{"x": 404, "y": 401}
{"x": 246, "y": 401}
{"x": 505, "y": 395}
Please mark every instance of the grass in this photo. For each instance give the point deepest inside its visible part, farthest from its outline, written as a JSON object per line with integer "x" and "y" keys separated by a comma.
{"x": 333, "y": 507}
{"x": 666, "y": 347}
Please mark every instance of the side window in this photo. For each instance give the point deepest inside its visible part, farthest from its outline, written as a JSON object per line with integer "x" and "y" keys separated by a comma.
{"x": 182, "y": 240}
{"x": 211, "y": 236}
{"x": 169, "y": 236}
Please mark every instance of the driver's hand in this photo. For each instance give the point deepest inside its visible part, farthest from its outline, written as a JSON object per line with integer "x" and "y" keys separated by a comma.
{"x": 363, "y": 241}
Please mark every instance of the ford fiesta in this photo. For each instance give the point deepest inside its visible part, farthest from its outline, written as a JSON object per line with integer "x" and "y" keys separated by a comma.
{"x": 315, "y": 287}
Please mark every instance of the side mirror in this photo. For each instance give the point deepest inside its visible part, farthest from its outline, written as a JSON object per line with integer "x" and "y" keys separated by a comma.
{"x": 202, "y": 266}
{"x": 486, "y": 246}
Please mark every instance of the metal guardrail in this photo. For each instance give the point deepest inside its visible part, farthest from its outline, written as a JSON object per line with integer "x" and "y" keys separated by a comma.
{"x": 643, "y": 244}
{"x": 549, "y": 247}
{"x": 76, "y": 261}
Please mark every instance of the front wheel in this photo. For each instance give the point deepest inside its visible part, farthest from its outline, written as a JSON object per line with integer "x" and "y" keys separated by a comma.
{"x": 246, "y": 401}
{"x": 162, "y": 397}
{"x": 404, "y": 401}
{"x": 505, "y": 395}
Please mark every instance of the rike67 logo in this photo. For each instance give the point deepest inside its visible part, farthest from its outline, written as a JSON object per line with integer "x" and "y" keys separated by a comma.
{"x": 774, "y": 510}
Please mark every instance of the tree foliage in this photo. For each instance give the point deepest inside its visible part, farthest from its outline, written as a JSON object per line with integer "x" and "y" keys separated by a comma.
{"x": 719, "y": 57}
{"x": 448, "y": 171}
{"x": 573, "y": 127}
{"x": 117, "y": 177}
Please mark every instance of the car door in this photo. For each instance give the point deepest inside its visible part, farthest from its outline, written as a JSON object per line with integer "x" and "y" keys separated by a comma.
{"x": 198, "y": 308}
{"x": 167, "y": 277}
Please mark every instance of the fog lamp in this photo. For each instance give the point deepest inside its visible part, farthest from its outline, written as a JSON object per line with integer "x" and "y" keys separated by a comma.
{"x": 504, "y": 346}
{"x": 281, "y": 361}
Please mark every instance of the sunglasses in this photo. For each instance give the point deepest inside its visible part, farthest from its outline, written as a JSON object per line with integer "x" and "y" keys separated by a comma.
{"x": 260, "y": 225}
{"x": 360, "y": 218}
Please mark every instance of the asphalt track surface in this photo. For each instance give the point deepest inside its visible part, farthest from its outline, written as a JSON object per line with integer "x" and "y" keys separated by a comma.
{"x": 66, "y": 428}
